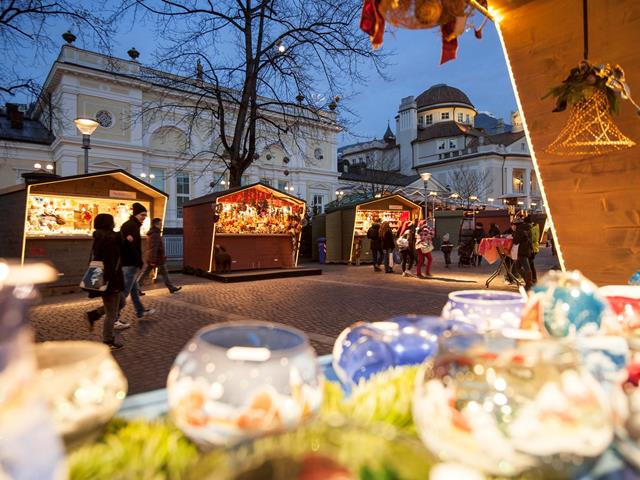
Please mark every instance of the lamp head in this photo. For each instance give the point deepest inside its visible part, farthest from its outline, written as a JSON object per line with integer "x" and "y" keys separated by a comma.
{"x": 425, "y": 176}
{"x": 86, "y": 126}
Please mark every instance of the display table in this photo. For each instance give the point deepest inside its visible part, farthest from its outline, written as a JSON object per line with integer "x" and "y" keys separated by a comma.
{"x": 498, "y": 248}
{"x": 152, "y": 404}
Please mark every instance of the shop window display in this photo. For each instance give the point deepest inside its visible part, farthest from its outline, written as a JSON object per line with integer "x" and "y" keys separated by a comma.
{"x": 257, "y": 211}
{"x": 63, "y": 215}
{"x": 364, "y": 219}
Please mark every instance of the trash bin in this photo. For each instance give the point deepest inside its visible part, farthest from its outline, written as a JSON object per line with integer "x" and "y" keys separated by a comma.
{"x": 322, "y": 249}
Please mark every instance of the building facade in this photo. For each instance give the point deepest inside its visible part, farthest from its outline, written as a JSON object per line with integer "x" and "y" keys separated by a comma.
{"x": 159, "y": 148}
{"x": 436, "y": 133}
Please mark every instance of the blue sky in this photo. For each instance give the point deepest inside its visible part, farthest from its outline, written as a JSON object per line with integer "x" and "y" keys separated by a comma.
{"x": 480, "y": 71}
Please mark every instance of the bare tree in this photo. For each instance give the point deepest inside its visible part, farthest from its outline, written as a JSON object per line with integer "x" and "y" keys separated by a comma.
{"x": 252, "y": 69}
{"x": 469, "y": 183}
{"x": 378, "y": 176}
{"x": 25, "y": 35}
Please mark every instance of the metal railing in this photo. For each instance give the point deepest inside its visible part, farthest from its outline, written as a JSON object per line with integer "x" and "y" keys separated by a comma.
{"x": 173, "y": 246}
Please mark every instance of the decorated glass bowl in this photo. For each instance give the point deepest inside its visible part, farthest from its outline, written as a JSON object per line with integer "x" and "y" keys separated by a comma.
{"x": 363, "y": 349}
{"x": 485, "y": 309}
{"x": 510, "y": 406}
{"x": 624, "y": 301}
{"x": 239, "y": 380}
{"x": 83, "y": 385}
{"x": 566, "y": 304}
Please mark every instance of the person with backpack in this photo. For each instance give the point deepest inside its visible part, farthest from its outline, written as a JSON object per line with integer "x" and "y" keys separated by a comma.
{"x": 373, "y": 234}
{"x": 106, "y": 249}
{"x": 156, "y": 257}
{"x": 407, "y": 246}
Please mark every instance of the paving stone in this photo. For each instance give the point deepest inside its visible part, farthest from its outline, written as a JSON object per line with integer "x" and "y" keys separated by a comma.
{"x": 322, "y": 306}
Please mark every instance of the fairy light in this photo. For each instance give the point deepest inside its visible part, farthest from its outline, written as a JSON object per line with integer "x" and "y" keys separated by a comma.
{"x": 536, "y": 167}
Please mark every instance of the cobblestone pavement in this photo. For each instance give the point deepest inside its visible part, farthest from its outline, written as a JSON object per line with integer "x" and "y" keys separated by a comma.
{"x": 321, "y": 306}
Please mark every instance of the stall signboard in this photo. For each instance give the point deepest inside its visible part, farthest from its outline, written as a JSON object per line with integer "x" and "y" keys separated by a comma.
{"x": 122, "y": 194}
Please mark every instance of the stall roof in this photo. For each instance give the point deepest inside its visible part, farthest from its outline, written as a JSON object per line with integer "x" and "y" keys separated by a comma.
{"x": 121, "y": 175}
{"x": 365, "y": 201}
{"x": 212, "y": 197}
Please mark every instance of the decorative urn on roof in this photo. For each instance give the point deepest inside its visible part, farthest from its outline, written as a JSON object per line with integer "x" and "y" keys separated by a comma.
{"x": 69, "y": 37}
{"x": 133, "y": 53}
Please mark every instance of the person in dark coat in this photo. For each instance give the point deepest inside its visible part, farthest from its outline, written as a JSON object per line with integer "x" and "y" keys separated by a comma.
{"x": 106, "y": 248}
{"x": 522, "y": 238}
{"x": 388, "y": 244}
{"x": 132, "y": 262}
{"x": 377, "y": 252}
{"x": 478, "y": 235}
{"x": 156, "y": 257}
{"x": 494, "y": 230}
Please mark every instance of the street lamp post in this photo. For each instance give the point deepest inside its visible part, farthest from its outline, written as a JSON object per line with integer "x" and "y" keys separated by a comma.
{"x": 426, "y": 176}
{"x": 86, "y": 126}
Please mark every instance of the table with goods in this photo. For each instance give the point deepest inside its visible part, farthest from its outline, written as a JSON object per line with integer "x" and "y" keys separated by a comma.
{"x": 497, "y": 386}
{"x": 498, "y": 249}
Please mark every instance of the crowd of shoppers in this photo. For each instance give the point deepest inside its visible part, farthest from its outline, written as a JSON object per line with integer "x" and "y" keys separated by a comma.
{"x": 121, "y": 255}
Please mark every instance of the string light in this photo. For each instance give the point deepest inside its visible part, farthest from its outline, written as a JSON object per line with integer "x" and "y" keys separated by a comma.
{"x": 534, "y": 159}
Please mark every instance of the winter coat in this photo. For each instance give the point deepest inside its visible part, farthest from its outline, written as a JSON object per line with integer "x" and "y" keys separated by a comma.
{"x": 494, "y": 231}
{"x": 131, "y": 251}
{"x": 535, "y": 237}
{"x": 478, "y": 235}
{"x": 373, "y": 234}
{"x": 106, "y": 248}
{"x": 388, "y": 242}
{"x": 522, "y": 237}
{"x": 155, "y": 252}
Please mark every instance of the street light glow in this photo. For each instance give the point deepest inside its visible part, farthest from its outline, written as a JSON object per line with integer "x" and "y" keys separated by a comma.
{"x": 49, "y": 167}
{"x": 490, "y": 200}
{"x": 281, "y": 48}
{"x": 425, "y": 176}
{"x": 143, "y": 175}
{"x": 86, "y": 125}
{"x": 37, "y": 166}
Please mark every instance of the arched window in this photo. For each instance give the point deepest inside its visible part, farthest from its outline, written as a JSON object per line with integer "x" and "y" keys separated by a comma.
{"x": 169, "y": 139}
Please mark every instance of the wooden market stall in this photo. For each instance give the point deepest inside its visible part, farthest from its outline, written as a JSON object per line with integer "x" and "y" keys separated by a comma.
{"x": 347, "y": 225}
{"x": 258, "y": 226}
{"x": 51, "y": 218}
{"x": 592, "y": 198}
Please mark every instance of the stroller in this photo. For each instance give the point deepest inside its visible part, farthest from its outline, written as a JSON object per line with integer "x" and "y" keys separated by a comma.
{"x": 465, "y": 253}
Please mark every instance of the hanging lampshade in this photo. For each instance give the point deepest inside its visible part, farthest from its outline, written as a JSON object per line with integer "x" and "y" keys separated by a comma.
{"x": 590, "y": 130}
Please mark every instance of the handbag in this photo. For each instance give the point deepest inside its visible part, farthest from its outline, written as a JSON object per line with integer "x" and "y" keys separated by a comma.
{"x": 402, "y": 243}
{"x": 93, "y": 278}
{"x": 514, "y": 252}
{"x": 427, "y": 247}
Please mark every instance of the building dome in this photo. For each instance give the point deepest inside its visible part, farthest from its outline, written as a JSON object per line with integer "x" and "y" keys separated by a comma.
{"x": 441, "y": 95}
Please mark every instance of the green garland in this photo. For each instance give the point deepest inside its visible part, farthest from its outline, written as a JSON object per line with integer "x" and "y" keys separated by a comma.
{"x": 582, "y": 82}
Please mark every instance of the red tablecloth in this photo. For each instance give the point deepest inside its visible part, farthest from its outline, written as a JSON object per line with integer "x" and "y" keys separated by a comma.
{"x": 488, "y": 247}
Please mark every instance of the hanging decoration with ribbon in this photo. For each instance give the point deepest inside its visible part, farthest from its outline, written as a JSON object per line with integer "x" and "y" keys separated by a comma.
{"x": 450, "y": 15}
{"x": 592, "y": 92}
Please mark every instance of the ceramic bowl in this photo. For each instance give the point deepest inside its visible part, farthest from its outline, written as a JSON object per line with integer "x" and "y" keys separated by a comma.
{"x": 239, "y": 380}
{"x": 83, "y": 385}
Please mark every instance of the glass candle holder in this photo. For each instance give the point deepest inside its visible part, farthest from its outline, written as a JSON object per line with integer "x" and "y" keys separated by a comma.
{"x": 239, "y": 380}
{"x": 566, "y": 304}
{"x": 511, "y": 407}
{"x": 83, "y": 385}
{"x": 485, "y": 309}
{"x": 363, "y": 349}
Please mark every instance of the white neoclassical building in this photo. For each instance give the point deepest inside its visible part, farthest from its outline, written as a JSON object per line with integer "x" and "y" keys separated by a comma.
{"x": 82, "y": 83}
{"x": 436, "y": 133}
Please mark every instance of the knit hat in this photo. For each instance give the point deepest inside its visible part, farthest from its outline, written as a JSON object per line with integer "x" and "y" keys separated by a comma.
{"x": 138, "y": 208}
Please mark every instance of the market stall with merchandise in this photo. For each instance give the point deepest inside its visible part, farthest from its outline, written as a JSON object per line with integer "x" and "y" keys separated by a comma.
{"x": 347, "y": 225}
{"x": 257, "y": 226}
{"x": 51, "y": 218}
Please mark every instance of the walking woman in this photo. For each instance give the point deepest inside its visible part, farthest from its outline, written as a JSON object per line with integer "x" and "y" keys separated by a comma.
{"x": 388, "y": 244}
{"x": 106, "y": 248}
{"x": 407, "y": 245}
{"x": 424, "y": 247}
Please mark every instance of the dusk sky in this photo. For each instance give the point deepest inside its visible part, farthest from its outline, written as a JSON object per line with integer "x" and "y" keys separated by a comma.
{"x": 480, "y": 71}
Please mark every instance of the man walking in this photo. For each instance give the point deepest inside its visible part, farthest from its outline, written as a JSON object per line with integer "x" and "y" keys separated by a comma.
{"x": 131, "y": 258}
{"x": 156, "y": 257}
{"x": 373, "y": 234}
{"x": 535, "y": 246}
{"x": 522, "y": 238}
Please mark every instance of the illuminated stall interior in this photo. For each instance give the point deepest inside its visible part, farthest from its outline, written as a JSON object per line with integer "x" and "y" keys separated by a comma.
{"x": 347, "y": 225}
{"x": 52, "y": 218}
{"x": 593, "y": 199}
{"x": 258, "y": 226}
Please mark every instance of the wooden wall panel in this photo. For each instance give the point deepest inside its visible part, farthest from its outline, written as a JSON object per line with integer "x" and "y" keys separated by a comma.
{"x": 594, "y": 201}
{"x": 197, "y": 227}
